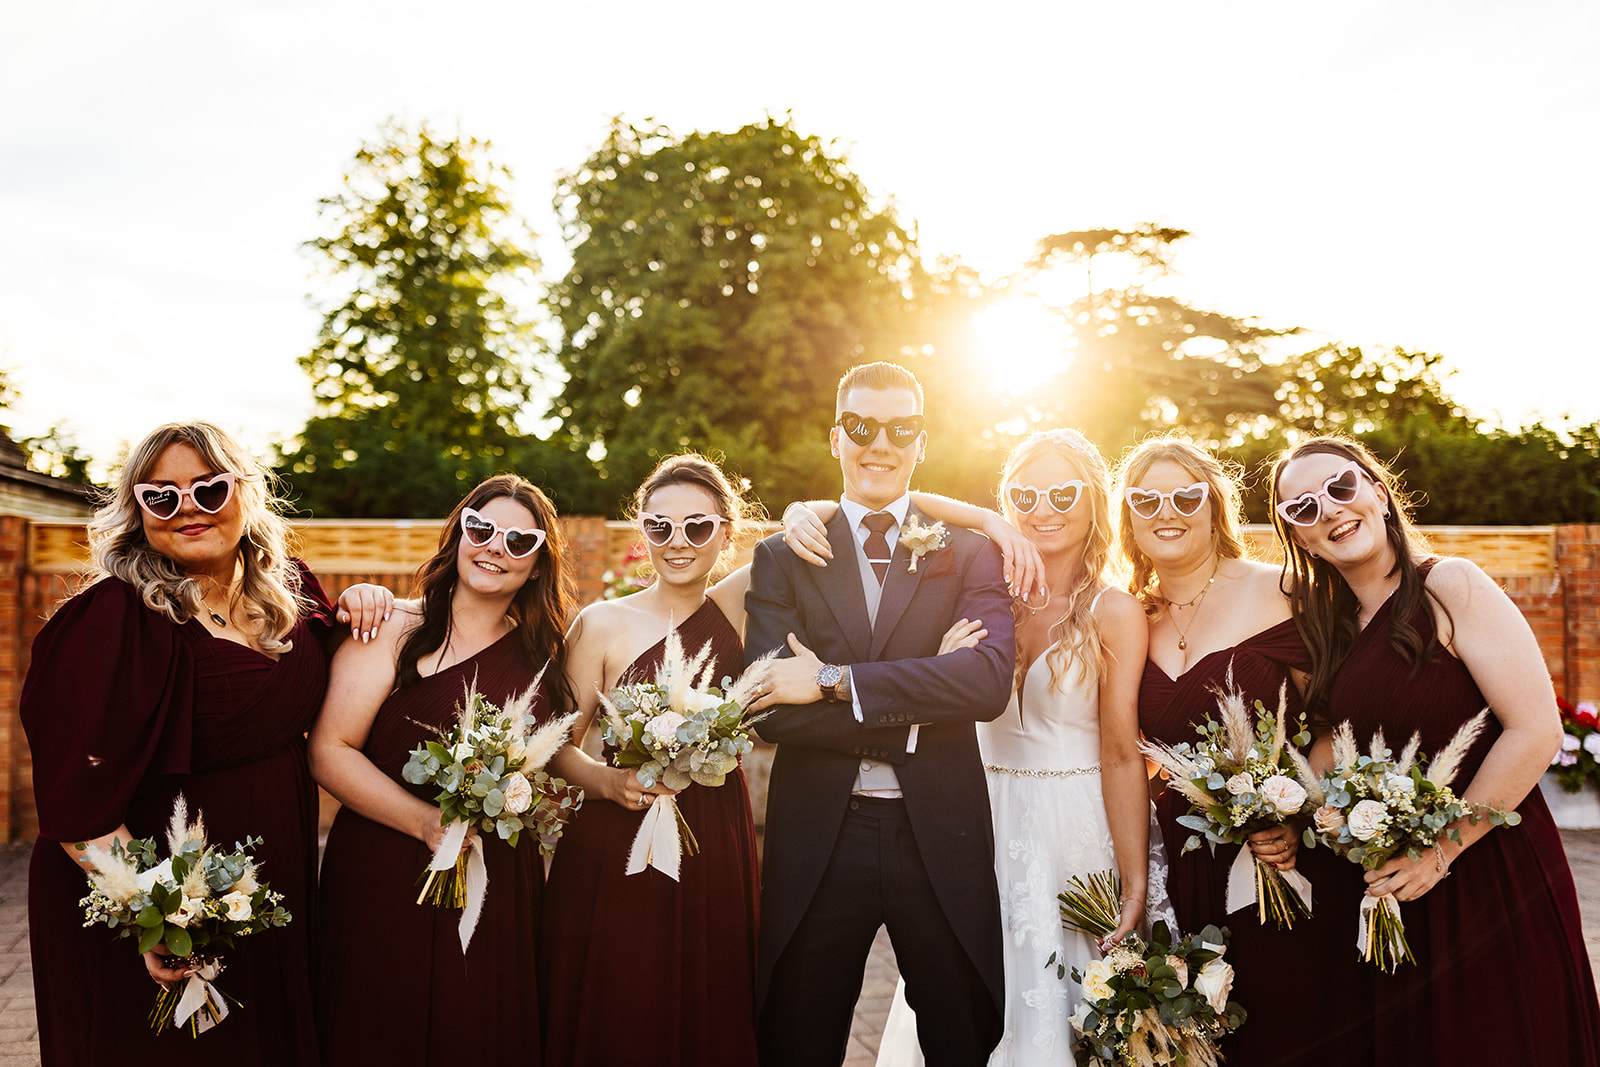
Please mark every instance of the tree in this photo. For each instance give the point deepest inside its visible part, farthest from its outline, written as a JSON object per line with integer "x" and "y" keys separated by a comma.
{"x": 419, "y": 373}
{"x": 720, "y": 284}
{"x": 1146, "y": 361}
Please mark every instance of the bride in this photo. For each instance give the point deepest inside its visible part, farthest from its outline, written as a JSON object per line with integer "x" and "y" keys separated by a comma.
{"x": 1067, "y": 785}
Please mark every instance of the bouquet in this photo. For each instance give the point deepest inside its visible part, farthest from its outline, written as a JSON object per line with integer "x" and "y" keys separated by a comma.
{"x": 1162, "y": 1001}
{"x": 196, "y": 900}
{"x": 489, "y": 768}
{"x": 1579, "y": 759}
{"x": 1091, "y": 904}
{"x": 1372, "y": 807}
{"x": 679, "y": 729}
{"x": 1239, "y": 777}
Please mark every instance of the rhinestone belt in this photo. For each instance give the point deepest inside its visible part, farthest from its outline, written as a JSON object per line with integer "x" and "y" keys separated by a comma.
{"x": 1041, "y": 774}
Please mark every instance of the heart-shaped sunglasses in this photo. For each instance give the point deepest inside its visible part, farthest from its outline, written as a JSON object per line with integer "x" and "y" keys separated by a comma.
{"x": 1306, "y": 509}
{"x": 479, "y": 531}
{"x": 697, "y": 530}
{"x": 1062, "y": 498}
{"x": 210, "y": 495}
{"x": 1146, "y": 503}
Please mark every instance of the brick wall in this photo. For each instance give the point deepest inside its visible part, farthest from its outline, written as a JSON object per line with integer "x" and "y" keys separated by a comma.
{"x": 1563, "y": 608}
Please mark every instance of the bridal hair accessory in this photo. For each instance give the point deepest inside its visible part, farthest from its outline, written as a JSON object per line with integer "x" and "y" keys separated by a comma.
{"x": 1067, "y": 437}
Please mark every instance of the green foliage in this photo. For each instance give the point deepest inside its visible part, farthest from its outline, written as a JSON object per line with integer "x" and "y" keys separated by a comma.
{"x": 420, "y": 372}
{"x": 720, "y": 284}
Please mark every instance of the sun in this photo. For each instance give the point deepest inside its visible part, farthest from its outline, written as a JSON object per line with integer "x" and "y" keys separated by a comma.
{"x": 1024, "y": 345}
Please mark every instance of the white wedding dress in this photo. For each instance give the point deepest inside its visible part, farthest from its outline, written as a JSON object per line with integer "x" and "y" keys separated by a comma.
{"x": 1043, "y": 766}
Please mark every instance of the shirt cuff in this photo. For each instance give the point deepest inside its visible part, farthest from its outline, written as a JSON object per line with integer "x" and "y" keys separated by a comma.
{"x": 855, "y": 702}
{"x": 911, "y": 738}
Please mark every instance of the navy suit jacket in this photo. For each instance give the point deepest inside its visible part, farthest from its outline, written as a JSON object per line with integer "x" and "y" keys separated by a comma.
{"x": 900, "y": 679}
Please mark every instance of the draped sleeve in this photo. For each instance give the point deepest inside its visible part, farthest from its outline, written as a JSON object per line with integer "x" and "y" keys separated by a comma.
{"x": 106, "y": 704}
{"x": 317, "y": 610}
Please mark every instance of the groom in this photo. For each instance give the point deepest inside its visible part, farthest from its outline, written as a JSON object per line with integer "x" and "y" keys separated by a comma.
{"x": 877, "y": 813}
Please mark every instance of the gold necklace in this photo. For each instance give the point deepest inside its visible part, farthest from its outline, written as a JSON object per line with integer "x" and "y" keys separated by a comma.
{"x": 1193, "y": 602}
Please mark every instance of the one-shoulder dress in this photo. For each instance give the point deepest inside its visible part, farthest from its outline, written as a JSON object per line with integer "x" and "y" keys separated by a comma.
{"x": 1502, "y": 973}
{"x": 1277, "y": 972}
{"x": 1042, "y": 764}
{"x": 124, "y": 710}
{"x": 393, "y": 986}
{"x": 641, "y": 968}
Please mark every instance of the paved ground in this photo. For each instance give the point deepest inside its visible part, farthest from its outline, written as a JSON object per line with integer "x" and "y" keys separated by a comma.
{"x": 19, "y": 1044}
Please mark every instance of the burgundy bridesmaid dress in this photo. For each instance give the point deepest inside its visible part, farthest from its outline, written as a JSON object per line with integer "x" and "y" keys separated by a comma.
{"x": 641, "y": 968}
{"x": 1502, "y": 973}
{"x": 124, "y": 710}
{"x": 1281, "y": 976}
{"x": 393, "y": 986}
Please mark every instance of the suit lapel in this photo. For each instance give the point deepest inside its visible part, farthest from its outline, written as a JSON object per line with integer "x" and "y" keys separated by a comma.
{"x": 899, "y": 585}
{"x": 840, "y": 585}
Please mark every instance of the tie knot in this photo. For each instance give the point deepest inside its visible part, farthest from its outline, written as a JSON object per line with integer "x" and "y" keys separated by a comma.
{"x": 879, "y": 522}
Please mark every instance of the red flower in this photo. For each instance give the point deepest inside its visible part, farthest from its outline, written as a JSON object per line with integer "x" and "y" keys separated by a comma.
{"x": 1587, "y": 718}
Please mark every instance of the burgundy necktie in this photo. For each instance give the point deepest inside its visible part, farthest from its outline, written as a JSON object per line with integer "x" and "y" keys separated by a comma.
{"x": 877, "y": 546}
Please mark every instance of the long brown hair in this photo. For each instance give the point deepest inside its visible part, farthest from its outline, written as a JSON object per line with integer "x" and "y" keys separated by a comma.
{"x": 540, "y": 608}
{"x": 1223, "y": 500}
{"x": 1322, "y": 603}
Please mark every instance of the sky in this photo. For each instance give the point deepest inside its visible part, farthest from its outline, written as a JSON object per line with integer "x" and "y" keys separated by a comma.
{"x": 1415, "y": 174}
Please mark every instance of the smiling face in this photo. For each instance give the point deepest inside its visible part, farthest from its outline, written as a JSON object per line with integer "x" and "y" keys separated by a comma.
{"x": 678, "y": 562}
{"x": 487, "y": 569}
{"x": 1170, "y": 538}
{"x": 196, "y": 541}
{"x": 877, "y": 473}
{"x": 1058, "y": 537}
{"x": 1345, "y": 533}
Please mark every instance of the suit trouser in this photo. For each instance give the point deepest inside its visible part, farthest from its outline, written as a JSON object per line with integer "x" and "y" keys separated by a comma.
{"x": 875, "y": 877}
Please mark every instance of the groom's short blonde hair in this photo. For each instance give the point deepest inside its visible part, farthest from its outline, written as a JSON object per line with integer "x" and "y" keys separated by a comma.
{"x": 877, "y": 376}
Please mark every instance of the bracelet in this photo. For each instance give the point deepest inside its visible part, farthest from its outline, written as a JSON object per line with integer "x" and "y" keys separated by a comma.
{"x": 1439, "y": 863}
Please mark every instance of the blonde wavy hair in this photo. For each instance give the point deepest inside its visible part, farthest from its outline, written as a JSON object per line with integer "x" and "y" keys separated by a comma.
{"x": 270, "y": 590}
{"x": 1227, "y": 513}
{"x": 1076, "y": 643}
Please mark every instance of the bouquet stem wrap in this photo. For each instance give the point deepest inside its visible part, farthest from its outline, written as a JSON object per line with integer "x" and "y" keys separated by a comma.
{"x": 1252, "y": 882}
{"x": 659, "y": 843}
{"x": 456, "y": 851}
{"x": 1381, "y": 934}
{"x": 194, "y": 1003}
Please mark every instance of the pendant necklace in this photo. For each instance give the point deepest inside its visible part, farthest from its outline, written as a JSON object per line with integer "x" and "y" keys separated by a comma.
{"x": 1193, "y": 602}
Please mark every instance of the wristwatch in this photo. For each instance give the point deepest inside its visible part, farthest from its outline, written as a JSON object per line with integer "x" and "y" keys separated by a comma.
{"x": 828, "y": 679}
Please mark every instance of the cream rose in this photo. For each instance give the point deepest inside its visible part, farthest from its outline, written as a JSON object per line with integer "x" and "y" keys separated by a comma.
{"x": 519, "y": 793}
{"x": 1240, "y": 784}
{"x": 1080, "y": 1015}
{"x": 1179, "y": 964}
{"x": 1284, "y": 794}
{"x": 237, "y": 905}
{"x": 187, "y": 912}
{"x": 462, "y": 752}
{"x": 1215, "y": 982}
{"x": 1327, "y": 819}
{"x": 1097, "y": 980}
{"x": 663, "y": 729}
{"x": 1367, "y": 820}
{"x": 161, "y": 872}
{"x": 1399, "y": 784}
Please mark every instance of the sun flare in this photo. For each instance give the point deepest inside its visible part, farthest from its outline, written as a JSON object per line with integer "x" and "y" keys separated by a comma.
{"x": 1023, "y": 344}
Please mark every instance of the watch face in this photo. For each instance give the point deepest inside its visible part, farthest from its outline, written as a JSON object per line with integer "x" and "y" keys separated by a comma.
{"x": 829, "y": 675}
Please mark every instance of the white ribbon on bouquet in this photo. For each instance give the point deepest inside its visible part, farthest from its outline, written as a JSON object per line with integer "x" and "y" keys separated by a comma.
{"x": 1242, "y": 885}
{"x": 657, "y": 844}
{"x": 201, "y": 999}
{"x": 477, "y": 875}
{"x": 1396, "y": 947}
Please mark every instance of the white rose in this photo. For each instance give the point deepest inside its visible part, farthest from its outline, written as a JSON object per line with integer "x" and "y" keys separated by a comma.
{"x": 238, "y": 905}
{"x": 699, "y": 701}
{"x": 1367, "y": 820}
{"x": 663, "y": 729}
{"x": 1240, "y": 784}
{"x": 1591, "y": 745}
{"x": 1215, "y": 982}
{"x": 1284, "y": 794}
{"x": 1080, "y": 1015}
{"x": 1179, "y": 964}
{"x": 1570, "y": 743}
{"x": 1399, "y": 783}
{"x": 161, "y": 872}
{"x": 462, "y": 752}
{"x": 519, "y": 793}
{"x": 187, "y": 912}
{"x": 1097, "y": 980}
{"x": 1327, "y": 819}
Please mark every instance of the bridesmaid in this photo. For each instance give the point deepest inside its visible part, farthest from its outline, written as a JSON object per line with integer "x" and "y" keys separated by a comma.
{"x": 1402, "y": 640}
{"x": 194, "y": 665}
{"x": 625, "y": 959}
{"x": 393, "y": 984}
{"x": 1218, "y": 619}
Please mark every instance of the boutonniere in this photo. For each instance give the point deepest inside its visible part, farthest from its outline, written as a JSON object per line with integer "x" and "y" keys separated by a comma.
{"x": 921, "y": 540}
